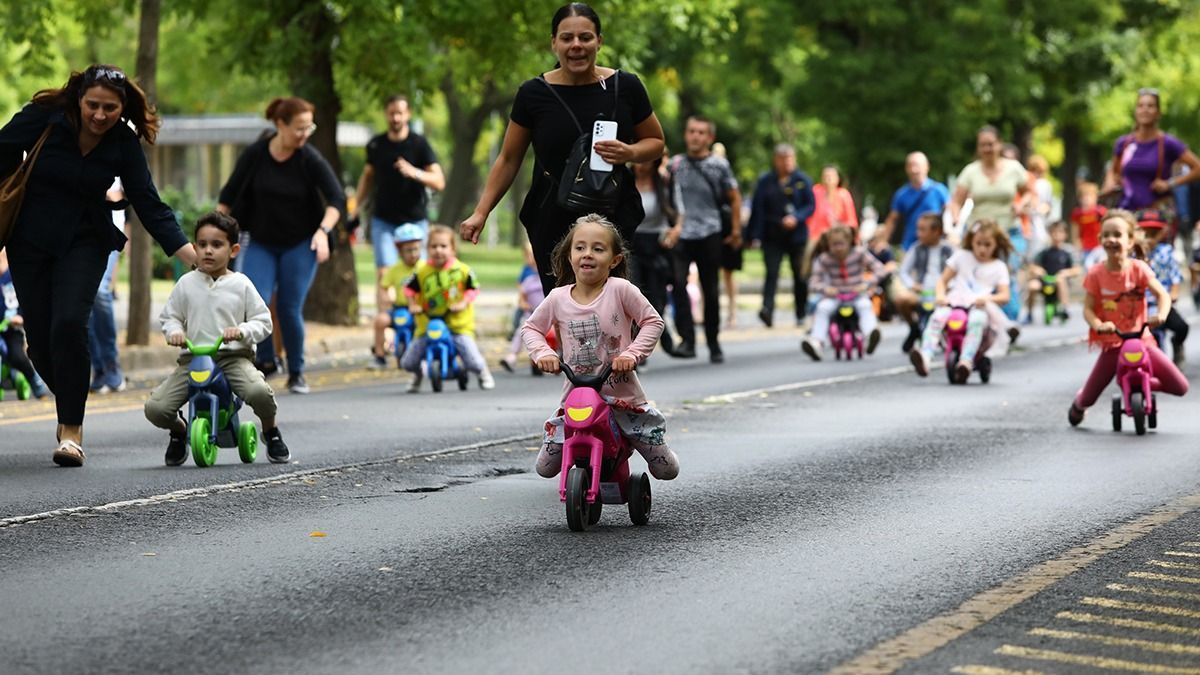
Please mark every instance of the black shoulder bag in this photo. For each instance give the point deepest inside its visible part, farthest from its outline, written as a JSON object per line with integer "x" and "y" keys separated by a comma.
{"x": 721, "y": 201}
{"x": 581, "y": 190}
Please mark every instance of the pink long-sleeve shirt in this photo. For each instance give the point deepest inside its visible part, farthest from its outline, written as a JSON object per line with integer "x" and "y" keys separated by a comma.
{"x": 592, "y": 335}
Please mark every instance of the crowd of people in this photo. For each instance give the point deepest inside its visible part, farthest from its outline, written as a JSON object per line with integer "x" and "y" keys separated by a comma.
{"x": 991, "y": 245}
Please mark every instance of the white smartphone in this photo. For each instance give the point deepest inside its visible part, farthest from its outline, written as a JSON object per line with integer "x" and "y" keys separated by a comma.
{"x": 602, "y": 130}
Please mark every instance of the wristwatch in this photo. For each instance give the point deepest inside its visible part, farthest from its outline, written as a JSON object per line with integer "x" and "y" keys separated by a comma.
{"x": 328, "y": 231}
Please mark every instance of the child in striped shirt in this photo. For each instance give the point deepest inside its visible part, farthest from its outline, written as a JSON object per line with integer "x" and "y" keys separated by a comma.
{"x": 841, "y": 271}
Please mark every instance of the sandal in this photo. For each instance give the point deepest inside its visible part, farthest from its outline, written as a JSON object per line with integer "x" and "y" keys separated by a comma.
{"x": 69, "y": 453}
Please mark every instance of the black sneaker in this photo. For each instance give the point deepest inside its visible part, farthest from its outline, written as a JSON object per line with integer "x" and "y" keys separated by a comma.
{"x": 914, "y": 336}
{"x": 716, "y": 356}
{"x": 277, "y": 450}
{"x": 269, "y": 368}
{"x": 296, "y": 384}
{"x": 765, "y": 317}
{"x": 1075, "y": 415}
{"x": 176, "y": 450}
{"x": 685, "y": 350}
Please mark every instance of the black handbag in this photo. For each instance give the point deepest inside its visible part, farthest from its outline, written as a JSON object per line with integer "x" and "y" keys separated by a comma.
{"x": 580, "y": 189}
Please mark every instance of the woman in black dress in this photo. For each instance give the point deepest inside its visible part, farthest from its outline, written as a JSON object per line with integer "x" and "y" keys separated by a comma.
{"x": 59, "y": 247}
{"x": 538, "y": 117}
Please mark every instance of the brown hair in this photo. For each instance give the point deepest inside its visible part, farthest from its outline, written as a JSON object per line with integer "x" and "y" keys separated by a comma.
{"x": 1004, "y": 247}
{"x": 442, "y": 229}
{"x": 1137, "y": 240}
{"x": 560, "y": 259}
{"x": 933, "y": 218}
{"x": 1039, "y": 164}
{"x": 284, "y": 109}
{"x": 137, "y": 109}
{"x": 822, "y": 245}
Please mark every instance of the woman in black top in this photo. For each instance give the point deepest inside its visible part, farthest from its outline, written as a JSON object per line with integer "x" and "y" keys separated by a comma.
{"x": 287, "y": 197}
{"x": 59, "y": 247}
{"x": 538, "y": 117}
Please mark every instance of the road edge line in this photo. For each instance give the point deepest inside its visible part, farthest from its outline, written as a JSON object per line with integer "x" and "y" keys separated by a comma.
{"x": 925, "y": 638}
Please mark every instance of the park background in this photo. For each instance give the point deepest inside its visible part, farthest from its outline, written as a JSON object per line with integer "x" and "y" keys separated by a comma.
{"x": 855, "y": 83}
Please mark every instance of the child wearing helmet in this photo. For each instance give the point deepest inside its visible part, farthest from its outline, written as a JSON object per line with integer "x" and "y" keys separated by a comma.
{"x": 409, "y": 239}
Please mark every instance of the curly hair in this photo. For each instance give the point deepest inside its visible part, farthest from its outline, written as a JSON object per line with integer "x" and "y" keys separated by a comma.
{"x": 560, "y": 259}
{"x": 137, "y": 108}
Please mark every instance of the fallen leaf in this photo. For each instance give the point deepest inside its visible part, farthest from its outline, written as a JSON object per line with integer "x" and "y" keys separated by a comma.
{"x": 317, "y": 534}
{"x": 385, "y": 569}
{"x": 149, "y": 555}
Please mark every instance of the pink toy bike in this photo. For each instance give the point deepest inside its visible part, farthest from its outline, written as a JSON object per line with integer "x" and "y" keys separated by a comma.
{"x": 1135, "y": 377}
{"x": 844, "y": 333}
{"x": 595, "y": 458}
{"x": 954, "y": 333}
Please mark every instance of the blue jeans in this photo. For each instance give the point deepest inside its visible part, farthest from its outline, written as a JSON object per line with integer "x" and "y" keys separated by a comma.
{"x": 286, "y": 274}
{"x": 383, "y": 238}
{"x": 102, "y": 326}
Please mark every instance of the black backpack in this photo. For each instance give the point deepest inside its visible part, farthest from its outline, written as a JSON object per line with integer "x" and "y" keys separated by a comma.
{"x": 581, "y": 190}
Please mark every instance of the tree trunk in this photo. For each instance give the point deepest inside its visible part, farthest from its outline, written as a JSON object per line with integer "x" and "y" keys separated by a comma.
{"x": 334, "y": 295}
{"x": 1072, "y": 139}
{"x": 141, "y": 255}
{"x": 466, "y": 126}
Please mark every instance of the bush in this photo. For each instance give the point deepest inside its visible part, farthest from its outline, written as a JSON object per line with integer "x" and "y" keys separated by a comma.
{"x": 187, "y": 209}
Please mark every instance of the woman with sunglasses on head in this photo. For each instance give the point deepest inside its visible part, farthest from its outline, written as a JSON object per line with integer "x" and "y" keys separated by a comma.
{"x": 1142, "y": 161}
{"x": 287, "y": 197}
{"x": 59, "y": 246}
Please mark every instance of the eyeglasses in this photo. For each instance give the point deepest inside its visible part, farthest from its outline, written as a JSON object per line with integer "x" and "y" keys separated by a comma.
{"x": 309, "y": 130}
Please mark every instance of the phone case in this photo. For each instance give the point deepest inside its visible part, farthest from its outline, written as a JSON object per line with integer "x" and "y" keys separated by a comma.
{"x": 602, "y": 130}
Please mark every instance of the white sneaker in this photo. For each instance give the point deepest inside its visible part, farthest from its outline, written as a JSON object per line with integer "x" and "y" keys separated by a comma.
{"x": 486, "y": 381}
{"x": 414, "y": 387}
{"x": 812, "y": 347}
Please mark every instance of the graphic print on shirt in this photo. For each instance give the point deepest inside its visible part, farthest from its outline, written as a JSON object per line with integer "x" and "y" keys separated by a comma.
{"x": 585, "y": 337}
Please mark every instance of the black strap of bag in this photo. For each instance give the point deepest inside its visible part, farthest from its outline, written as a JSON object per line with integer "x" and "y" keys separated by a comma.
{"x": 616, "y": 98}
{"x": 719, "y": 199}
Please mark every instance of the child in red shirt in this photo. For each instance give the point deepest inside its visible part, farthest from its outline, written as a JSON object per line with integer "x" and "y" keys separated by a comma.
{"x": 1116, "y": 302}
{"x": 1086, "y": 218}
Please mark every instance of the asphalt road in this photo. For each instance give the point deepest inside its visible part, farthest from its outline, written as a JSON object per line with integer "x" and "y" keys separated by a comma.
{"x": 808, "y": 525}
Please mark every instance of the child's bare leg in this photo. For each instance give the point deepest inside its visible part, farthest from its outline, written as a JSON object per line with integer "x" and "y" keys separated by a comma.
{"x": 382, "y": 321}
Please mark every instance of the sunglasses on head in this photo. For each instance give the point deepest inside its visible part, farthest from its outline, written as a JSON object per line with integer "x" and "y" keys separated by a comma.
{"x": 1148, "y": 91}
{"x": 110, "y": 74}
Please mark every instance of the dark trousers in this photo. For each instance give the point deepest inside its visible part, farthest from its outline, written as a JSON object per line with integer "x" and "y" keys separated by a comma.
{"x": 706, "y": 253}
{"x": 1178, "y": 327}
{"x": 651, "y": 270}
{"x": 773, "y": 255}
{"x": 56, "y": 293}
{"x": 14, "y": 339}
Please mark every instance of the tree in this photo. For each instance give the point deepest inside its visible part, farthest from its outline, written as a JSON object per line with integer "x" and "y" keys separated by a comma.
{"x": 141, "y": 254}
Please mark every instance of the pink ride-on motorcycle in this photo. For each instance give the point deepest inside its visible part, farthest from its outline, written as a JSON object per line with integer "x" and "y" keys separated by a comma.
{"x": 1135, "y": 377}
{"x": 844, "y": 332}
{"x": 595, "y": 457}
{"x": 954, "y": 333}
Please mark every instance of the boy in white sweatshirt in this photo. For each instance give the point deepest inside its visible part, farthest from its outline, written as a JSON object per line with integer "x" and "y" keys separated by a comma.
{"x": 210, "y": 302}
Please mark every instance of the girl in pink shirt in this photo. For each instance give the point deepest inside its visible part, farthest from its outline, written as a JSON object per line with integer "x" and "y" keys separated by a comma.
{"x": 1116, "y": 302}
{"x": 593, "y": 311}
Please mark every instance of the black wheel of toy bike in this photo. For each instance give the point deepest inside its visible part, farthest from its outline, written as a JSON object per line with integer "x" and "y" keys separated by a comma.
{"x": 1139, "y": 413}
{"x": 639, "y": 498}
{"x": 578, "y": 482}
{"x": 1118, "y": 411}
{"x": 950, "y": 368}
{"x": 435, "y": 374}
{"x": 1152, "y": 418}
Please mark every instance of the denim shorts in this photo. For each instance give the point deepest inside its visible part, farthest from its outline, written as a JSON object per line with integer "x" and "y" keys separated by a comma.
{"x": 384, "y": 241}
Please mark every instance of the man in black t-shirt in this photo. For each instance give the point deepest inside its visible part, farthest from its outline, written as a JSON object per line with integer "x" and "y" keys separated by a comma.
{"x": 400, "y": 166}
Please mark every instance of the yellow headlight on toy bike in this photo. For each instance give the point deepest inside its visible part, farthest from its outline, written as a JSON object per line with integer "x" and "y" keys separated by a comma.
{"x": 1134, "y": 357}
{"x": 435, "y": 334}
{"x": 201, "y": 376}
{"x": 955, "y": 325}
{"x": 579, "y": 414}
{"x": 845, "y": 311}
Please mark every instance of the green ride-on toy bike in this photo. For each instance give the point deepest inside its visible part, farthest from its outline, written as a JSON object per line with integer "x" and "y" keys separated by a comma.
{"x": 213, "y": 411}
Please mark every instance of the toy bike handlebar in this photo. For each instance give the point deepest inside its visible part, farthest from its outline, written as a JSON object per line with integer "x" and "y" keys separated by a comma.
{"x": 589, "y": 381}
{"x": 1134, "y": 334}
{"x": 204, "y": 350}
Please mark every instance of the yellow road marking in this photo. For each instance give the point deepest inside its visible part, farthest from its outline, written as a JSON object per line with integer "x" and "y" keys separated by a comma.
{"x": 1173, "y": 565}
{"x": 1120, "y": 622}
{"x": 991, "y": 670}
{"x": 1110, "y": 641}
{"x": 1154, "y": 576}
{"x": 893, "y": 654}
{"x": 1159, "y": 592}
{"x": 1092, "y": 661}
{"x": 1141, "y": 607}
{"x": 1182, "y": 554}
